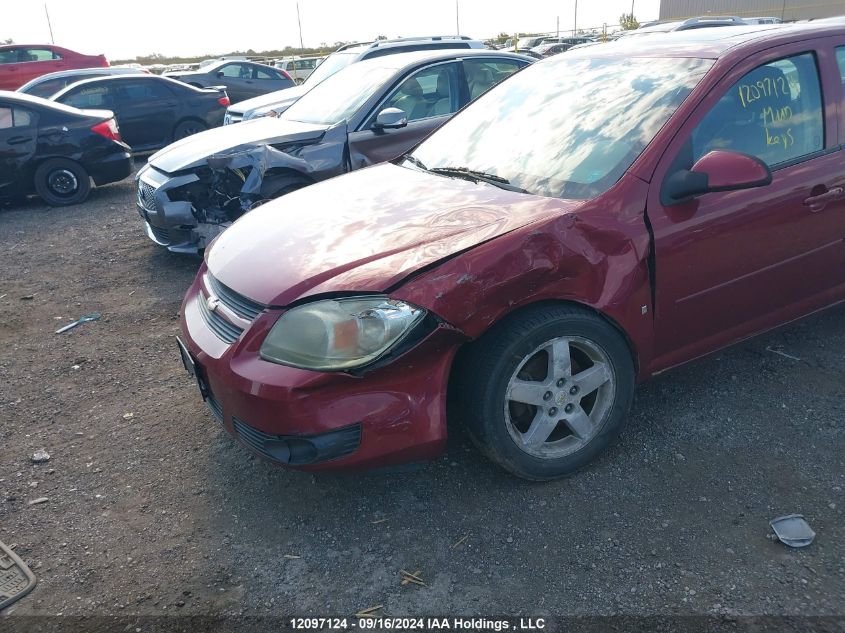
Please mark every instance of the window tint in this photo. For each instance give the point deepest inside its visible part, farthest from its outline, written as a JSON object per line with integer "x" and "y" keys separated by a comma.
{"x": 51, "y": 86}
{"x": 143, "y": 91}
{"x": 15, "y": 117}
{"x": 263, "y": 73}
{"x": 484, "y": 74}
{"x": 38, "y": 55}
{"x": 90, "y": 97}
{"x": 774, "y": 113}
{"x": 236, "y": 71}
{"x": 840, "y": 59}
{"x": 9, "y": 56}
{"x": 427, "y": 93}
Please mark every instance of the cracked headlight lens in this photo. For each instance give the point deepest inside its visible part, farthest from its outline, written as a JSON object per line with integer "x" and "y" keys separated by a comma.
{"x": 339, "y": 334}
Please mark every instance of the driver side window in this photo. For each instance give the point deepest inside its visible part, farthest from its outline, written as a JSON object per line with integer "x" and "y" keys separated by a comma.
{"x": 774, "y": 113}
{"x": 427, "y": 93}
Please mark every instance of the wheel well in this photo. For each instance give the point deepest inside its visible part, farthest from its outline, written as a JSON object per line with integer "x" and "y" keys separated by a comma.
{"x": 185, "y": 119}
{"x": 282, "y": 172}
{"x": 457, "y": 362}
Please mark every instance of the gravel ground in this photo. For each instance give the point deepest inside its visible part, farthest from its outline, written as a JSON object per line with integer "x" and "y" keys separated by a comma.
{"x": 152, "y": 509}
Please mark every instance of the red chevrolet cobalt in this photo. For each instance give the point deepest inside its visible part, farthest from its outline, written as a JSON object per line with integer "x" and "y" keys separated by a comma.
{"x": 598, "y": 218}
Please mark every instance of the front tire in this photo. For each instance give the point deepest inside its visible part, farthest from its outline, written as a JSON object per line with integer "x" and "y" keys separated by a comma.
{"x": 61, "y": 182}
{"x": 547, "y": 390}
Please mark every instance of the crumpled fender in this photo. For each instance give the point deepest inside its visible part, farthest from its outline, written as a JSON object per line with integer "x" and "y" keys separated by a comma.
{"x": 318, "y": 161}
{"x": 596, "y": 256}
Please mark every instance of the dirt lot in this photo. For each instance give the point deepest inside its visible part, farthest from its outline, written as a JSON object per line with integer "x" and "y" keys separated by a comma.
{"x": 153, "y": 509}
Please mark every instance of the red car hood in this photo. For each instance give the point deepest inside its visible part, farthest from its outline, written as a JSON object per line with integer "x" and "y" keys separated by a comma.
{"x": 364, "y": 232}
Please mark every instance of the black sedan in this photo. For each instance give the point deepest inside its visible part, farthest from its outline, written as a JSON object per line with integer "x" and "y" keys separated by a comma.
{"x": 152, "y": 111}
{"x": 49, "y": 84}
{"x": 56, "y": 150}
{"x": 369, "y": 112}
{"x": 242, "y": 80}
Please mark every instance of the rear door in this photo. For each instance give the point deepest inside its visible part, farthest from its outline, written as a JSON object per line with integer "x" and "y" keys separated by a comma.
{"x": 146, "y": 111}
{"x": 18, "y": 140}
{"x": 267, "y": 80}
{"x": 730, "y": 264}
{"x": 237, "y": 77}
{"x": 428, "y": 96}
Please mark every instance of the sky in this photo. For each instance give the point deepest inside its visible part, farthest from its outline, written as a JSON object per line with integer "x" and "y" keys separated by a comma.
{"x": 121, "y": 29}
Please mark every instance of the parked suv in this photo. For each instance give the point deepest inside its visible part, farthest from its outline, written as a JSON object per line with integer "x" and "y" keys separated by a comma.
{"x": 533, "y": 263}
{"x": 278, "y": 102}
{"x": 19, "y": 63}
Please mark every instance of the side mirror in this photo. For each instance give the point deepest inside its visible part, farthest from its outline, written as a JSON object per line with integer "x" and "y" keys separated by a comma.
{"x": 390, "y": 119}
{"x": 719, "y": 170}
{"x": 219, "y": 73}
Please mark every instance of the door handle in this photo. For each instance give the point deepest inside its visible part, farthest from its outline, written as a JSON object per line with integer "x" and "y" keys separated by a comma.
{"x": 17, "y": 140}
{"x": 817, "y": 203}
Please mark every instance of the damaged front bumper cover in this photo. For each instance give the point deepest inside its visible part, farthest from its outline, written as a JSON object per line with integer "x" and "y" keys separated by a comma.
{"x": 185, "y": 212}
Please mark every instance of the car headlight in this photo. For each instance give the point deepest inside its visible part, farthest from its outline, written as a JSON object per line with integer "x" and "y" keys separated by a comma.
{"x": 339, "y": 334}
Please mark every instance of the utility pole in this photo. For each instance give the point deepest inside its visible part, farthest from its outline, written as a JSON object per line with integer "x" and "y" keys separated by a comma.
{"x": 299, "y": 22}
{"x": 457, "y": 18}
{"x": 50, "y": 26}
{"x": 575, "y": 28}
{"x": 558, "y": 27}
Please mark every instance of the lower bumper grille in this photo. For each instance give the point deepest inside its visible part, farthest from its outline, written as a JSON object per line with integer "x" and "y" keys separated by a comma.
{"x": 161, "y": 235}
{"x": 214, "y": 407}
{"x": 300, "y": 449}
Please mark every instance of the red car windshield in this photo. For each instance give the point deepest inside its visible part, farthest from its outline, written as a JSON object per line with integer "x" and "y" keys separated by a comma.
{"x": 567, "y": 127}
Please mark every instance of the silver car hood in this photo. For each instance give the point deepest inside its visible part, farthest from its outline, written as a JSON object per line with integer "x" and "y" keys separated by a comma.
{"x": 285, "y": 96}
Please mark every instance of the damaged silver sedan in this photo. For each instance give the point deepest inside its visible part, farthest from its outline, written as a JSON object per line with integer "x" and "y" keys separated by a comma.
{"x": 370, "y": 112}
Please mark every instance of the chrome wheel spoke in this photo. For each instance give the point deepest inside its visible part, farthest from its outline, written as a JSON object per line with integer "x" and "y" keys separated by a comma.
{"x": 559, "y": 397}
{"x": 560, "y": 361}
{"x": 528, "y": 392}
{"x": 540, "y": 430}
{"x": 591, "y": 379}
{"x": 579, "y": 423}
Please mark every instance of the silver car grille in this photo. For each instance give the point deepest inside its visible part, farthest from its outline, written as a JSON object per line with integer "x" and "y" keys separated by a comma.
{"x": 147, "y": 196}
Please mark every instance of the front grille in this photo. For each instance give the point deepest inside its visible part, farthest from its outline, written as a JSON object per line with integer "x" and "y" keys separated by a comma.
{"x": 237, "y": 303}
{"x": 304, "y": 449}
{"x": 147, "y": 196}
{"x": 160, "y": 234}
{"x": 226, "y": 331}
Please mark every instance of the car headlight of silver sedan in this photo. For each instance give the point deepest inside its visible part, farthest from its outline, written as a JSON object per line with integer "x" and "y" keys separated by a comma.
{"x": 339, "y": 334}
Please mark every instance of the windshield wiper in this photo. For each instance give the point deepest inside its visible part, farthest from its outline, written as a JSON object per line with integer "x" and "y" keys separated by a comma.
{"x": 415, "y": 161}
{"x": 476, "y": 176}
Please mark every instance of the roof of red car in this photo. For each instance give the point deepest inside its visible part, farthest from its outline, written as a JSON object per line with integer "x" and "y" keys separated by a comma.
{"x": 710, "y": 43}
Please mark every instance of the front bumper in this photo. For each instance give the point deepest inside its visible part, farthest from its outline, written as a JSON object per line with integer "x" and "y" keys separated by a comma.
{"x": 168, "y": 223}
{"x": 393, "y": 414}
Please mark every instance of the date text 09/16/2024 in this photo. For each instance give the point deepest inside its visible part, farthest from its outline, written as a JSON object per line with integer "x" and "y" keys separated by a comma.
{"x": 417, "y": 624}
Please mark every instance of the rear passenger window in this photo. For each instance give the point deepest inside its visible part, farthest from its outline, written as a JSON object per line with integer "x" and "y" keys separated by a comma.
{"x": 261, "y": 73}
{"x": 94, "y": 97}
{"x": 15, "y": 117}
{"x": 774, "y": 113}
{"x": 143, "y": 91}
{"x": 484, "y": 74}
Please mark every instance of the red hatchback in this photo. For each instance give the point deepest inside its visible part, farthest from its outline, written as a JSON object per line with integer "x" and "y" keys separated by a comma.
{"x": 598, "y": 218}
{"x": 20, "y": 63}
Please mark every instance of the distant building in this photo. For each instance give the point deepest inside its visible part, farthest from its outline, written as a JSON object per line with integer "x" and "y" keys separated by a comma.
{"x": 786, "y": 10}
